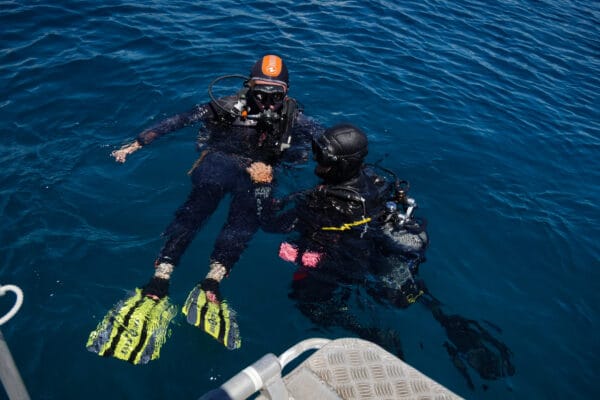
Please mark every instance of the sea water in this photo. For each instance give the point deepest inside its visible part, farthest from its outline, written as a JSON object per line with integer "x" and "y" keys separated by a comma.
{"x": 489, "y": 108}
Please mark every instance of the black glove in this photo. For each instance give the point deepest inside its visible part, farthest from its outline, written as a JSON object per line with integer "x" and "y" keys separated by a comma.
{"x": 211, "y": 285}
{"x": 156, "y": 288}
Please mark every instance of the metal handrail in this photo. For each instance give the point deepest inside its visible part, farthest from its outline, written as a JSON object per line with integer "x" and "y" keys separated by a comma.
{"x": 264, "y": 375}
{"x": 18, "y": 302}
{"x": 9, "y": 374}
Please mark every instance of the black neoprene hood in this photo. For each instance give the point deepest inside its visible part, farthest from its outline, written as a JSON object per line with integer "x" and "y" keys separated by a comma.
{"x": 270, "y": 68}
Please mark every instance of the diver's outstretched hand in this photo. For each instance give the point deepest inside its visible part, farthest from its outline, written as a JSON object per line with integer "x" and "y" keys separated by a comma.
{"x": 121, "y": 154}
{"x": 470, "y": 344}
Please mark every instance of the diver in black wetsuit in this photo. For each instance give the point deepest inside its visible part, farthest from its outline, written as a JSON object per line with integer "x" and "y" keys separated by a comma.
{"x": 258, "y": 124}
{"x": 357, "y": 229}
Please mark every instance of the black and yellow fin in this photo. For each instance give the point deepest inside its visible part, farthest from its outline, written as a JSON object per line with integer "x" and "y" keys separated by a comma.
{"x": 218, "y": 320}
{"x": 134, "y": 330}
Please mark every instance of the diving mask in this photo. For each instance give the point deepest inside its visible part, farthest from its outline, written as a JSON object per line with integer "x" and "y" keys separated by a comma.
{"x": 268, "y": 96}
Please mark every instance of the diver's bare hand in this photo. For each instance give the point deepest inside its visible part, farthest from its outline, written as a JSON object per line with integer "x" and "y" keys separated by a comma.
{"x": 260, "y": 172}
{"x": 121, "y": 154}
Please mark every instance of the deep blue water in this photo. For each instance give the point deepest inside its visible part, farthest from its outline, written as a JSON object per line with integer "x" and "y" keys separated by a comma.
{"x": 489, "y": 108}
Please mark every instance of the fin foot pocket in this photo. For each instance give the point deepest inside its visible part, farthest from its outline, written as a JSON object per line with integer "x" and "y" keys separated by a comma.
{"x": 217, "y": 320}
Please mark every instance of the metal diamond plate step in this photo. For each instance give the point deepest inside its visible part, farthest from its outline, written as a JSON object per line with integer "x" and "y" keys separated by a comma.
{"x": 358, "y": 369}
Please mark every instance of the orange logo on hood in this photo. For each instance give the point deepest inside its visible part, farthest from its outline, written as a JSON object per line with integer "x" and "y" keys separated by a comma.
{"x": 271, "y": 66}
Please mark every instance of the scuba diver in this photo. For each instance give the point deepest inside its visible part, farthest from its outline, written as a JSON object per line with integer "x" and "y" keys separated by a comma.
{"x": 258, "y": 124}
{"x": 357, "y": 230}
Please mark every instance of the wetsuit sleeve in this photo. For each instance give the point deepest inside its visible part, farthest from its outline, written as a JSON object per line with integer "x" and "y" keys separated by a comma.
{"x": 200, "y": 113}
{"x": 305, "y": 128}
{"x": 279, "y": 215}
{"x": 278, "y": 222}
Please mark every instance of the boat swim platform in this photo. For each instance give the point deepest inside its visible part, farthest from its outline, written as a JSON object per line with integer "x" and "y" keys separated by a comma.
{"x": 346, "y": 368}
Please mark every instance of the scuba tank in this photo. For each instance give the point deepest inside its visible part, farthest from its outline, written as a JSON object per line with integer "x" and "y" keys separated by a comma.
{"x": 407, "y": 241}
{"x": 398, "y": 222}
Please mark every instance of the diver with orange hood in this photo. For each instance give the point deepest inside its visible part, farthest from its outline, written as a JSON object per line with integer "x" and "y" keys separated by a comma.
{"x": 260, "y": 123}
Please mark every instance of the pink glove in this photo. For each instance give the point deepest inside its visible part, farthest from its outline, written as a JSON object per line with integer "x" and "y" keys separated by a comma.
{"x": 311, "y": 259}
{"x": 288, "y": 252}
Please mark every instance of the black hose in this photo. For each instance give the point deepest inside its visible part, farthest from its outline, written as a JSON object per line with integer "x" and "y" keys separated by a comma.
{"x": 215, "y": 100}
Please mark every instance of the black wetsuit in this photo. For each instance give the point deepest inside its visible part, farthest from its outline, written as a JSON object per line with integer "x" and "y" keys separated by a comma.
{"x": 228, "y": 146}
{"x": 339, "y": 244}
{"x": 347, "y": 252}
{"x": 342, "y": 226}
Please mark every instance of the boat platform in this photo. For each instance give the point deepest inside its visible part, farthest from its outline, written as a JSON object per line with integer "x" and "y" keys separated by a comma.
{"x": 346, "y": 368}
